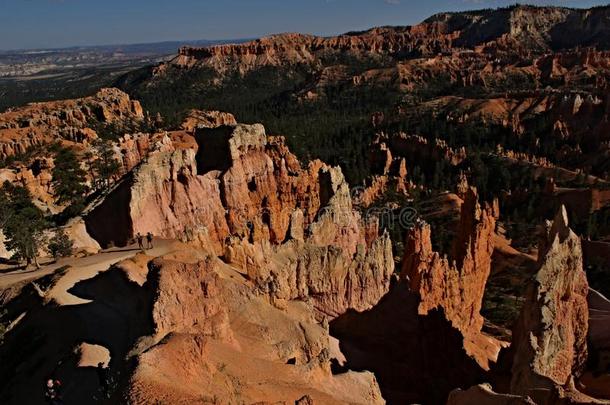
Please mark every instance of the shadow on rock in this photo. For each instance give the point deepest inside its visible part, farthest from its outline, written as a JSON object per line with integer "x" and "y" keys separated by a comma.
{"x": 416, "y": 359}
{"x": 45, "y": 343}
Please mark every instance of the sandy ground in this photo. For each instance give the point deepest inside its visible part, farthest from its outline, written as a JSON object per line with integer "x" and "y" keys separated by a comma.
{"x": 80, "y": 269}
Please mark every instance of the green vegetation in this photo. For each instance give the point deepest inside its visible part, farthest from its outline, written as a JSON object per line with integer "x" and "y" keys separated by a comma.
{"x": 105, "y": 166}
{"x": 112, "y": 131}
{"x": 335, "y": 127}
{"x": 502, "y": 303}
{"x": 30, "y": 154}
{"x": 69, "y": 182}
{"x": 60, "y": 245}
{"x": 22, "y": 223}
{"x": 59, "y": 84}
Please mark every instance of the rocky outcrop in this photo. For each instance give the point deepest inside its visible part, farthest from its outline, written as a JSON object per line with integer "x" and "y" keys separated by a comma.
{"x": 206, "y": 119}
{"x": 261, "y": 181}
{"x": 293, "y": 231}
{"x": 323, "y": 274}
{"x": 289, "y": 49}
{"x": 82, "y": 242}
{"x": 36, "y": 177}
{"x": 235, "y": 184}
{"x": 182, "y": 328}
{"x": 134, "y": 148}
{"x": 184, "y": 205}
{"x": 455, "y": 285}
{"x": 70, "y": 120}
{"x": 398, "y": 153}
{"x": 562, "y": 111}
{"x": 220, "y": 340}
{"x": 519, "y": 29}
{"x": 550, "y": 339}
{"x": 206, "y": 314}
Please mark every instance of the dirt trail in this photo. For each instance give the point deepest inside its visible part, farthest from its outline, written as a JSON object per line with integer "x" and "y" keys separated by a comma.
{"x": 93, "y": 319}
{"x": 81, "y": 269}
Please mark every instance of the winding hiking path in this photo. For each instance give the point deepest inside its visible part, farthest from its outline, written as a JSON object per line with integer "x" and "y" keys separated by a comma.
{"x": 80, "y": 269}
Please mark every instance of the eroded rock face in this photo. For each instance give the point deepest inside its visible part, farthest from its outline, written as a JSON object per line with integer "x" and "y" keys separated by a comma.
{"x": 133, "y": 148}
{"x": 564, "y": 112}
{"x": 293, "y": 231}
{"x": 417, "y": 150}
{"x": 261, "y": 181}
{"x": 236, "y": 184}
{"x": 215, "y": 337}
{"x": 182, "y": 328}
{"x": 550, "y": 339}
{"x": 520, "y": 29}
{"x": 197, "y": 288}
{"x": 163, "y": 196}
{"x": 36, "y": 177}
{"x": 206, "y": 119}
{"x": 323, "y": 274}
{"x": 457, "y": 286}
{"x": 41, "y": 123}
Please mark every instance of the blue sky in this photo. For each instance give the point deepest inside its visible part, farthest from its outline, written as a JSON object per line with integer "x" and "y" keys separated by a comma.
{"x": 59, "y": 23}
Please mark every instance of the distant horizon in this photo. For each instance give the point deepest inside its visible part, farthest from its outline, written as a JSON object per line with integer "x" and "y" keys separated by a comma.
{"x": 118, "y": 44}
{"x": 139, "y": 23}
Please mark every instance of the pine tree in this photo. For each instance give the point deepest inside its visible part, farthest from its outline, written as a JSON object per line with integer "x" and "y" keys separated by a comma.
{"x": 68, "y": 179}
{"x": 24, "y": 223}
{"x": 60, "y": 245}
{"x": 5, "y": 212}
{"x": 106, "y": 166}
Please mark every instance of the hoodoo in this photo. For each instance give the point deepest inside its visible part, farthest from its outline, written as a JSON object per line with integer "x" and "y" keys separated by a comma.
{"x": 401, "y": 215}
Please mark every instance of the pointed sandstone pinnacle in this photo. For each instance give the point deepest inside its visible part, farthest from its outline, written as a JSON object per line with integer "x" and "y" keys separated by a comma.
{"x": 456, "y": 287}
{"x": 550, "y": 338}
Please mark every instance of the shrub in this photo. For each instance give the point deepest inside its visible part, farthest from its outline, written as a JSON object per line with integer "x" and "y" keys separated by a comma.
{"x": 60, "y": 245}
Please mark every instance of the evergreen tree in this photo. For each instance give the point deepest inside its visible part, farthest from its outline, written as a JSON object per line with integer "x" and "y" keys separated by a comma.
{"x": 24, "y": 223}
{"x": 68, "y": 179}
{"x": 90, "y": 159}
{"x": 106, "y": 166}
{"x": 60, "y": 245}
{"x": 5, "y": 212}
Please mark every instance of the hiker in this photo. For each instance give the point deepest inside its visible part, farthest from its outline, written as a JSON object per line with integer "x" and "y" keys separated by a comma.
{"x": 52, "y": 393}
{"x": 103, "y": 375}
{"x": 140, "y": 241}
{"x": 149, "y": 239}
